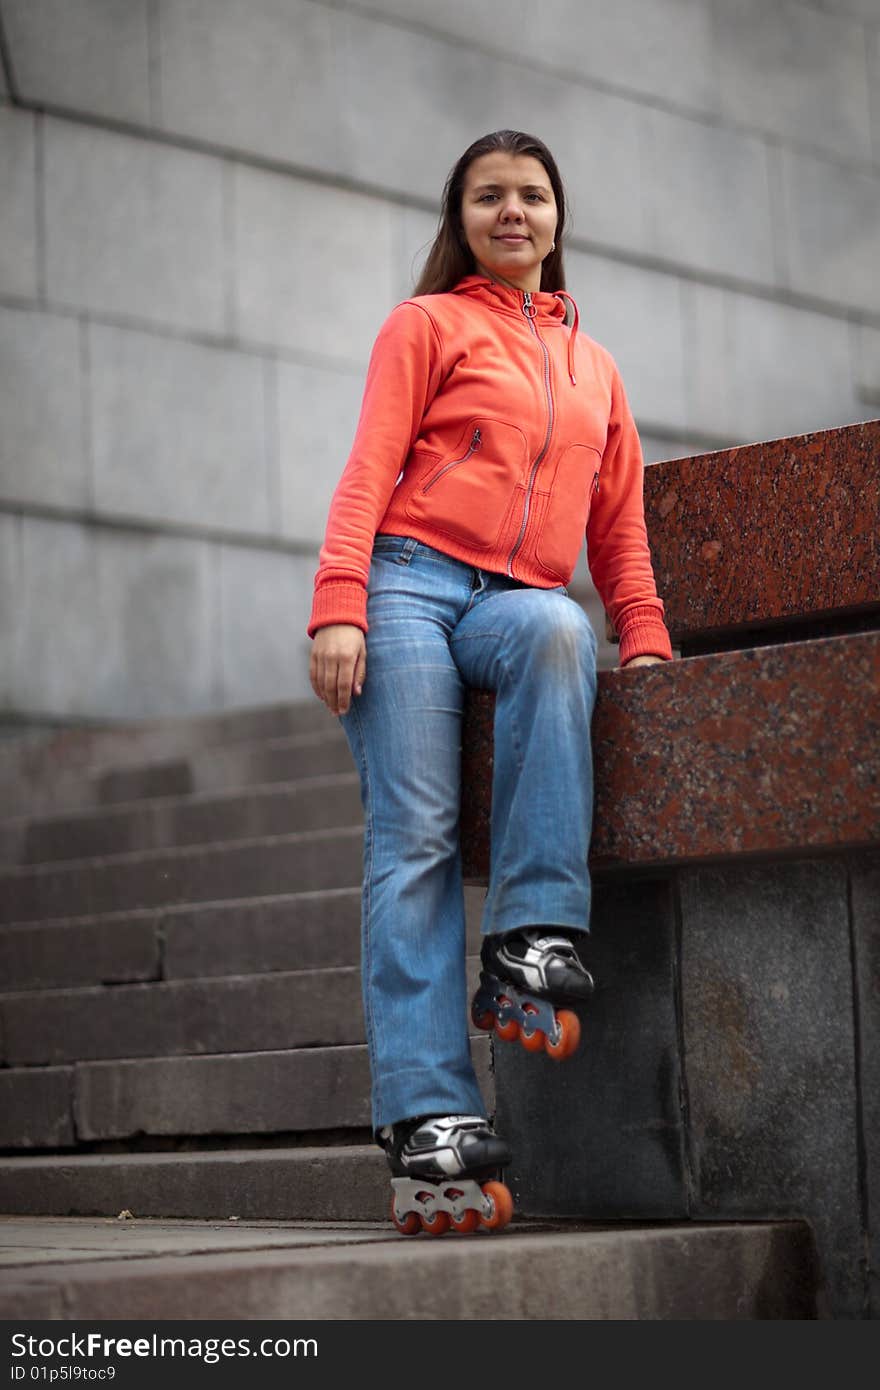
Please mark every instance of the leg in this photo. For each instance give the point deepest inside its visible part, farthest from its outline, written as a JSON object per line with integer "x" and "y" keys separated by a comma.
{"x": 537, "y": 650}
{"x": 405, "y": 734}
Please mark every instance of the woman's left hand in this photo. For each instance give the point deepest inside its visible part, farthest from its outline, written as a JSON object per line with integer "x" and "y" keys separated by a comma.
{"x": 645, "y": 660}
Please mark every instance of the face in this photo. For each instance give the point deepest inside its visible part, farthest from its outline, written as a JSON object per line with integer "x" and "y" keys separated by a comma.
{"x": 509, "y": 216}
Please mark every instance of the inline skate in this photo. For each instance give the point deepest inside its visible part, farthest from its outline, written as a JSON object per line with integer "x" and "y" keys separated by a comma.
{"x": 525, "y": 973}
{"x": 443, "y": 1170}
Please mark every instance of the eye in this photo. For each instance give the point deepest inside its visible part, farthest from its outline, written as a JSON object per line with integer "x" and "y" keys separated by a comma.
{"x": 534, "y": 195}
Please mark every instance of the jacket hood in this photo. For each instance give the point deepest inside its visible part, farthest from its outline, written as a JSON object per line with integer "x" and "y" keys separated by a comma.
{"x": 547, "y": 305}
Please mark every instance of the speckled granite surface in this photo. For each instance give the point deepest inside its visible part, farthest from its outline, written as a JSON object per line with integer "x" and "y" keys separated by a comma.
{"x": 767, "y": 532}
{"x": 767, "y": 750}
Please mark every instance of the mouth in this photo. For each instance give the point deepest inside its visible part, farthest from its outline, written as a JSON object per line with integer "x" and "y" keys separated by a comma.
{"x": 513, "y": 238}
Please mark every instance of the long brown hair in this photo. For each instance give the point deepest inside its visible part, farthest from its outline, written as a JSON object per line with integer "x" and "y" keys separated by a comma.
{"x": 450, "y": 257}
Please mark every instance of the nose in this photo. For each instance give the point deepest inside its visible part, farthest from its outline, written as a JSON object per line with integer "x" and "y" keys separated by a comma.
{"x": 511, "y": 211}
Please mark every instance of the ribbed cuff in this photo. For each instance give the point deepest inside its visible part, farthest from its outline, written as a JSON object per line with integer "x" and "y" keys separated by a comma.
{"x": 340, "y": 601}
{"x": 644, "y": 634}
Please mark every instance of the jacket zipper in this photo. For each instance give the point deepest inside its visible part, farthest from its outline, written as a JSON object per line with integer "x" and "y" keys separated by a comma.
{"x": 530, "y": 311}
{"x": 476, "y": 441}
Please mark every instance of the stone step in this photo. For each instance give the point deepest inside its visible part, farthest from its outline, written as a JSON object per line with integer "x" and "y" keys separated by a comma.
{"x": 228, "y": 1013}
{"x": 87, "y": 1271}
{"x": 248, "y": 724}
{"x": 57, "y": 769}
{"x": 281, "y": 1092}
{"x": 313, "y": 803}
{"x": 301, "y": 862}
{"x": 346, "y": 1182}
{"x": 291, "y": 931}
{"x": 229, "y": 767}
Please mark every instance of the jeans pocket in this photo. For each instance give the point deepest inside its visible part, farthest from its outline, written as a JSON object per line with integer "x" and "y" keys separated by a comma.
{"x": 397, "y": 549}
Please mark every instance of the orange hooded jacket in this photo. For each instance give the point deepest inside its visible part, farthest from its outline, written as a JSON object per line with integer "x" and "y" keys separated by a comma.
{"x": 493, "y": 431}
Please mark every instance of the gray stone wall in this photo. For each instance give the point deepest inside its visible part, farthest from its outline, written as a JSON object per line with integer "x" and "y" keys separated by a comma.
{"x": 208, "y": 207}
{"x": 729, "y": 1069}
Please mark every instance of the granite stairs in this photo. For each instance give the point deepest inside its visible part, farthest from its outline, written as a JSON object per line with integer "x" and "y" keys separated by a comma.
{"x": 184, "y": 1072}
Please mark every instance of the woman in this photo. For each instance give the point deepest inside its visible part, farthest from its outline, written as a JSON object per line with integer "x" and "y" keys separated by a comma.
{"x": 492, "y": 438}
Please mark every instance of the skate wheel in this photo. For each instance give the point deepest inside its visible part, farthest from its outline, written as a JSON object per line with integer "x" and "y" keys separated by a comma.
{"x": 532, "y": 1042}
{"x": 437, "y": 1224}
{"x": 481, "y": 1020}
{"x": 467, "y": 1222}
{"x": 409, "y": 1224}
{"x": 569, "y": 1036}
{"x": 502, "y": 1205}
{"x": 509, "y": 1031}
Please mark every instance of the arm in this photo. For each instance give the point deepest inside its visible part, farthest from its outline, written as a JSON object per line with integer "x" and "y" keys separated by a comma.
{"x": 403, "y": 376}
{"x": 618, "y": 553}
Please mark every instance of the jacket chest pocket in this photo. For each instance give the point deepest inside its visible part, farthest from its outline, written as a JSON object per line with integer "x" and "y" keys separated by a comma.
{"x": 467, "y": 493}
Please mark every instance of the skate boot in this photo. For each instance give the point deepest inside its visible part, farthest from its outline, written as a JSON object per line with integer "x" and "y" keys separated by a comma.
{"x": 525, "y": 973}
{"x": 439, "y": 1170}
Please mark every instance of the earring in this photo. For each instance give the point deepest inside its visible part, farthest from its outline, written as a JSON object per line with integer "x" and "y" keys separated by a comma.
{"x": 552, "y": 246}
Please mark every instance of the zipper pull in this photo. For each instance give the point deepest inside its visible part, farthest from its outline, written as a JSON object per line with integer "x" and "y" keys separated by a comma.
{"x": 476, "y": 439}
{"x": 596, "y": 481}
{"x": 528, "y": 308}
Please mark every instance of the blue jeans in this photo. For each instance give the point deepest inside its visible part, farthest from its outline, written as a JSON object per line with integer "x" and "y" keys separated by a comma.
{"x": 436, "y": 626}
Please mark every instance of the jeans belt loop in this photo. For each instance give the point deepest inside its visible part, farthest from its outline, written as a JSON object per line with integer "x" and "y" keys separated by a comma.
{"x": 408, "y": 550}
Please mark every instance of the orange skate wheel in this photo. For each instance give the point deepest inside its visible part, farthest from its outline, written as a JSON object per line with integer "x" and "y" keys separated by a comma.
{"x": 409, "y": 1224}
{"x": 508, "y": 1031}
{"x": 569, "y": 1036}
{"x": 532, "y": 1042}
{"x": 502, "y": 1205}
{"x": 437, "y": 1224}
{"x": 467, "y": 1222}
{"x": 481, "y": 1020}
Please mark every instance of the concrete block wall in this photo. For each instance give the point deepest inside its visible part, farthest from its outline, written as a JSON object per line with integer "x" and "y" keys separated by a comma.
{"x": 210, "y": 205}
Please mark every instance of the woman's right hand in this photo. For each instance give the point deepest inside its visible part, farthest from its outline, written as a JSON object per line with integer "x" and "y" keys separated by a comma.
{"x": 338, "y": 666}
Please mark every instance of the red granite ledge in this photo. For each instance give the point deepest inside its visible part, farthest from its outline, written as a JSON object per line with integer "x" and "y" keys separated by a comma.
{"x": 766, "y": 751}
{"x": 781, "y": 529}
